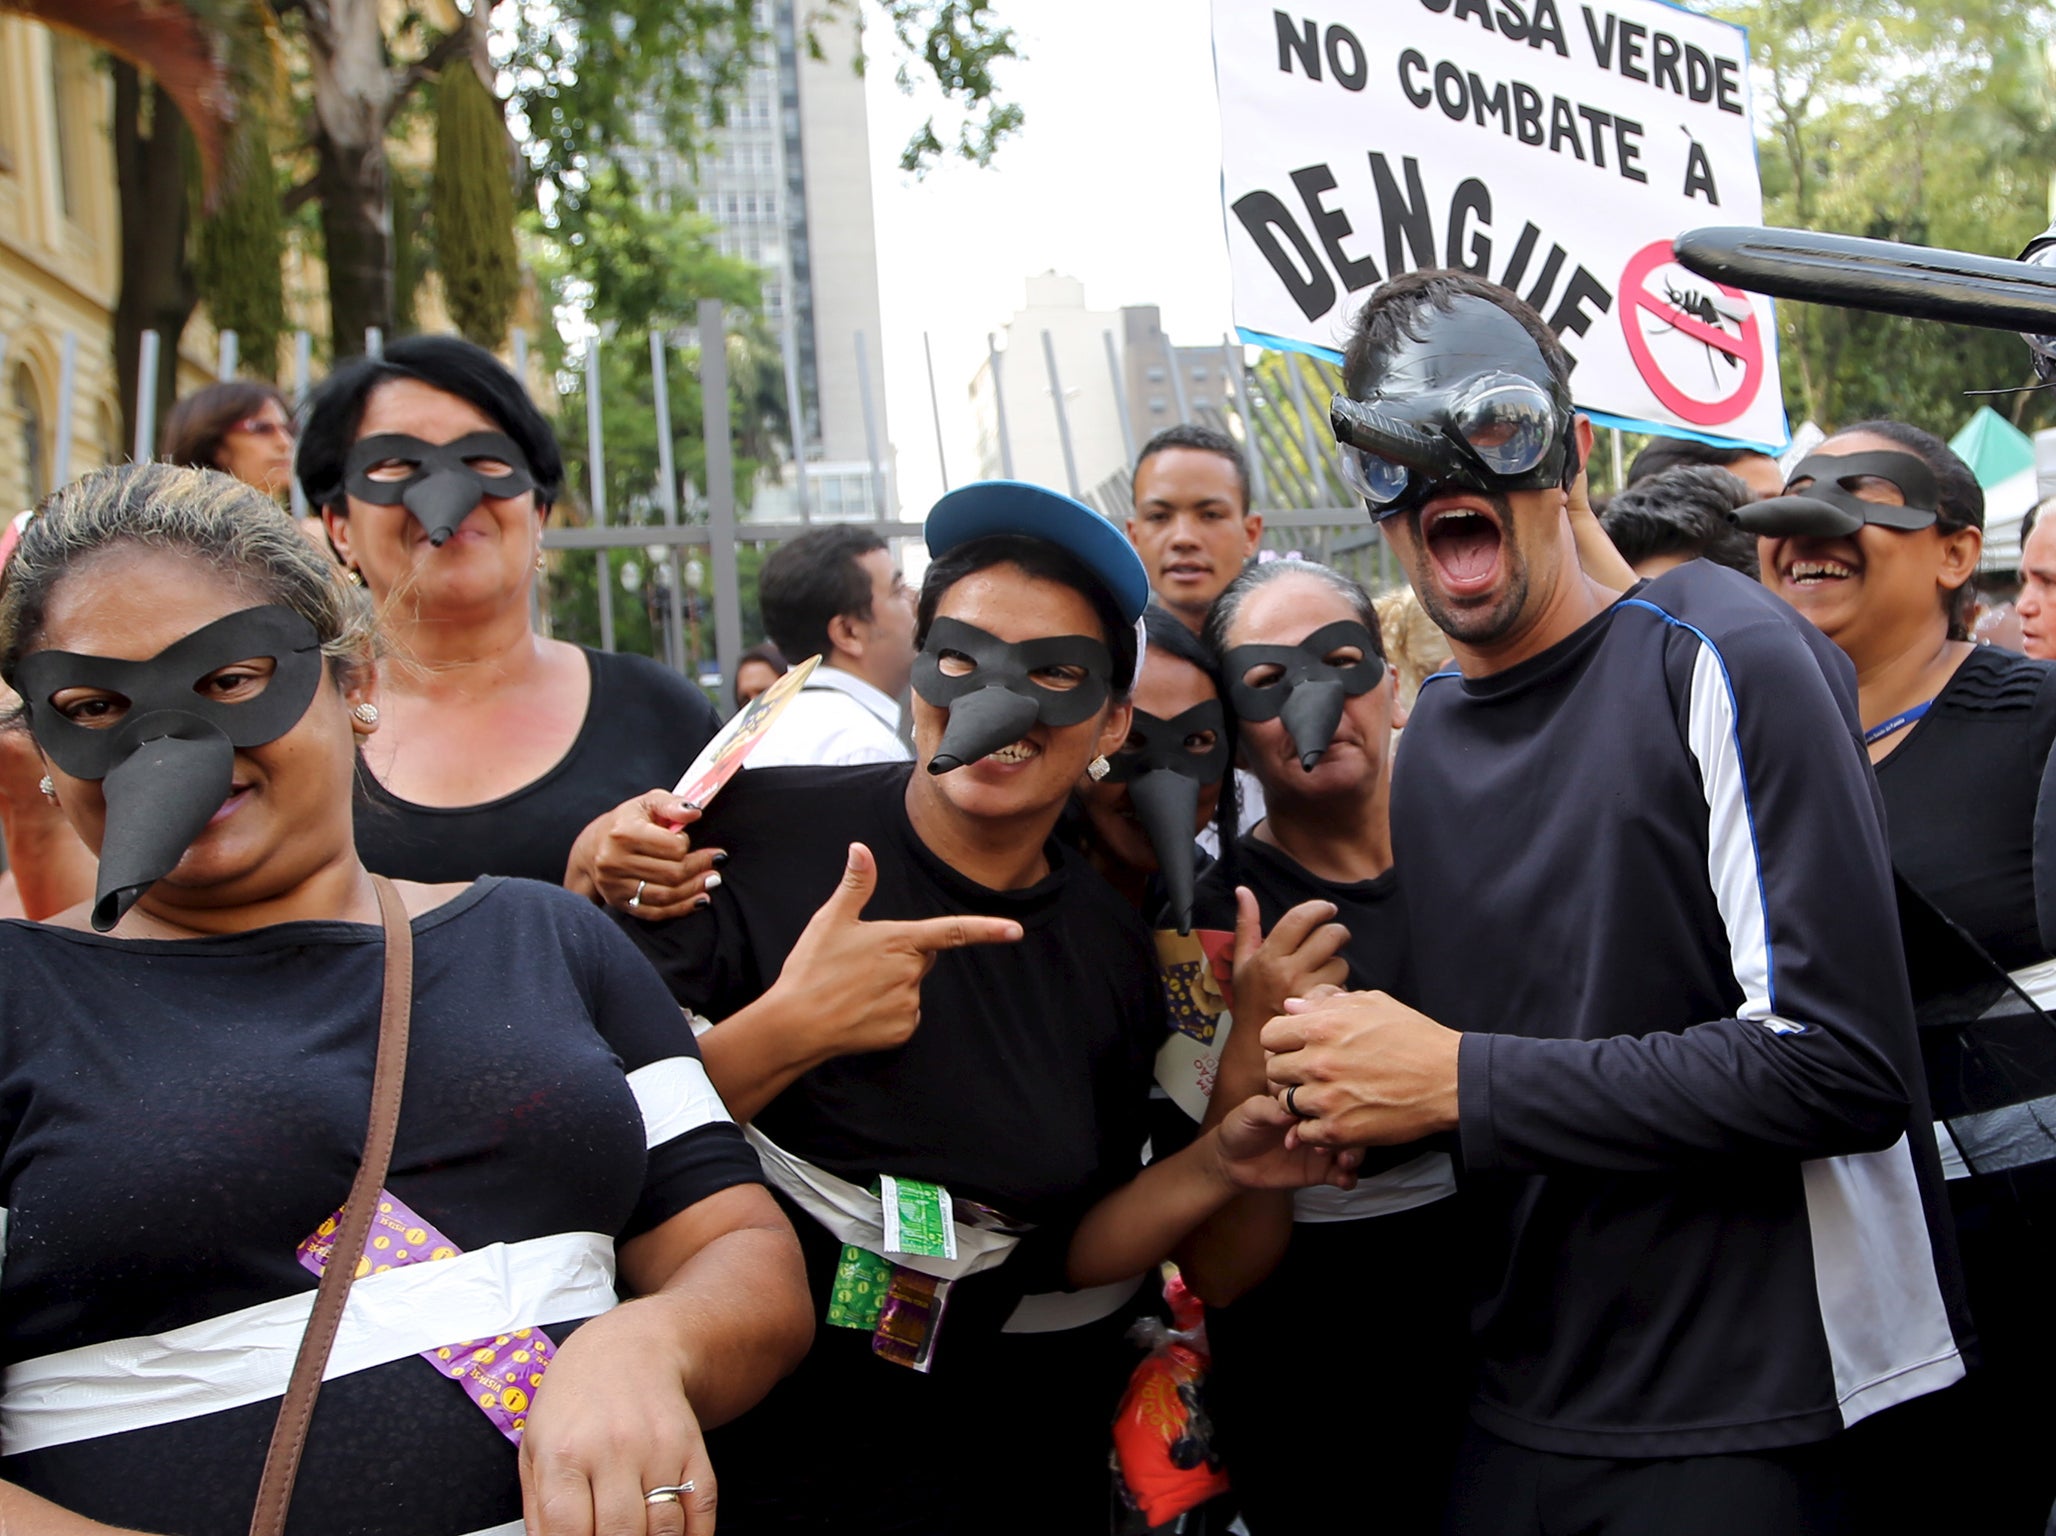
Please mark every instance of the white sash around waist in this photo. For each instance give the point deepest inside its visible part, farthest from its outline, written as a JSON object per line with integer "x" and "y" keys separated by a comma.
{"x": 852, "y": 1214}
{"x": 247, "y": 1356}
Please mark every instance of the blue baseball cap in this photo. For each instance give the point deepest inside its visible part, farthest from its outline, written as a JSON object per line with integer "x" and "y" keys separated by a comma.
{"x": 990, "y": 507}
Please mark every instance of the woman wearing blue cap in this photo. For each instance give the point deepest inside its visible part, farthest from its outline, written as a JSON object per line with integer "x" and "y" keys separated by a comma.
{"x": 946, "y": 1066}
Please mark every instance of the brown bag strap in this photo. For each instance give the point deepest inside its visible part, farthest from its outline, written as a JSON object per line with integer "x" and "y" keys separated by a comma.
{"x": 296, "y": 1412}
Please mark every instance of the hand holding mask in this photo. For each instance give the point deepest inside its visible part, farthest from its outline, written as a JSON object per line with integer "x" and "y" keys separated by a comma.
{"x": 167, "y": 764}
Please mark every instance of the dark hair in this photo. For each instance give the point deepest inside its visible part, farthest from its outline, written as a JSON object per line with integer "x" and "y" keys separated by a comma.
{"x": 1959, "y": 501}
{"x": 1206, "y": 440}
{"x": 447, "y": 363}
{"x": 1221, "y": 617}
{"x": 1395, "y": 308}
{"x": 1688, "y": 511}
{"x": 1046, "y": 562}
{"x": 813, "y": 580}
{"x": 1667, "y": 453}
{"x": 210, "y": 516}
{"x": 195, "y": 427}
{"x": 768, "y": 654}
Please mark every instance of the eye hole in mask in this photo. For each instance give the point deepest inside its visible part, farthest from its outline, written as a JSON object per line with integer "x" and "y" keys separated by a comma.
{"x": 441, "y": 484}
{"x": 100, "y": 709}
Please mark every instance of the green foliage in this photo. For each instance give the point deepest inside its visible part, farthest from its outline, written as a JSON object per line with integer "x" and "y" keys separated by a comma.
{"x": 472, "y": 207}
{"x": 238, "y": 251}
{"x": 959, "y": 41}
{"x": 1904, "y": 121}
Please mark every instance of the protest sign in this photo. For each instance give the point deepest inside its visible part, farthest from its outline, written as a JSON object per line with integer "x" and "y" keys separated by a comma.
{"x": 1553, "y": 146}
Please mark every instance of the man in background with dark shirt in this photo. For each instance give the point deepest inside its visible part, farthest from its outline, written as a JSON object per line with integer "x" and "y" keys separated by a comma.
{"x": 1192, "y": 523}
{"x": 1662, "y": 1008}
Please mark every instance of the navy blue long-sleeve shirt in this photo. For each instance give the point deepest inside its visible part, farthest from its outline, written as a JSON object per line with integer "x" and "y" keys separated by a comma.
{"x": 1647, "y": 876}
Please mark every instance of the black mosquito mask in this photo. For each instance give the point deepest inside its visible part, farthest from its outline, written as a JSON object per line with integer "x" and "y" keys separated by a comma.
{"x": 1165, "y": 775}
{"x": 1472, "y": 403}
{"x": 1309, "y": 691}
{"x": 1829, "y": 508}
{"x": 447, "y": 481}
{"x": 996, "y": 702}
{"x": 166, "y": 766}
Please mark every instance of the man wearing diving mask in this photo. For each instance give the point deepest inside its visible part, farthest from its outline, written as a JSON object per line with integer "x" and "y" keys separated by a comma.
{"x": 1660, "y": 1001}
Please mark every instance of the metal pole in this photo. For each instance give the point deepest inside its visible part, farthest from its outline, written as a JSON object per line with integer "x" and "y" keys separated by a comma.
{"x": 521, "y": 357}
{"x": 935, "y": 409}
{"x": 228, "y": 350}
{"x": 999, "y": 402}
{"x": 1620, "y": 462}
{"x": 1245, "y": 402}
{"x": 67, "y": 389}
{"x": 303, "y": 368}
{"x": 667, "y": 497}
{"x": 721, "y": 488}
{"x": 871, "y": 429}
{"x": 795, "y": 417}
{"x": 374, "y": 341}
{"x": 146, "y": 396}
{"x": 1309, "y": 434}
{"x": 596, "y": 468}
{"x": 1056, "y": 393}
{"x": 1120, "y": 398}
{"x": 1177, "y": 381}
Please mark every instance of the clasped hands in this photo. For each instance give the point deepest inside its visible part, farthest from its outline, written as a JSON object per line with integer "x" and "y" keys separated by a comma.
{"x": 1362, "y": 1069}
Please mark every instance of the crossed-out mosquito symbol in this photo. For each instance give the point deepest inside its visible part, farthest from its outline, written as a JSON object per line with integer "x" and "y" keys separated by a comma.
{"x": 1710, "y": 309}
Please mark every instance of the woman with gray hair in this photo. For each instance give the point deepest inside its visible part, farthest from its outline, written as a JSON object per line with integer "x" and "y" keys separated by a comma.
{"x": 197, "y": 679}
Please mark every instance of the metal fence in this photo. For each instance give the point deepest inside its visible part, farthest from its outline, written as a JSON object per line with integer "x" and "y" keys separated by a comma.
{"x": 1275, "y": 409}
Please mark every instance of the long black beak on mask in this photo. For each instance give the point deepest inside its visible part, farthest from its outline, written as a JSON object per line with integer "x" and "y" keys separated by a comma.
{"x": 1793, "y": 517}
{"x": 1311, "y": 713}
{"x": 159, "y": 798}
{"x": 979, "y": 723}
{"x": 440, "y": 502}
{"x": 1363, "y": 425}
{"x": 1167, "y": 805}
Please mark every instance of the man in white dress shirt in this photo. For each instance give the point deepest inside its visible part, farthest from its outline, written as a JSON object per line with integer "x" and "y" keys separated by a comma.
{"x": 835, "y": 593}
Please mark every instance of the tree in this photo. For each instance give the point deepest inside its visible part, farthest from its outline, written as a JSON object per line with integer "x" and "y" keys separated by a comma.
{"x": 1904, "y": 121}
{"x": 472, "y": 207}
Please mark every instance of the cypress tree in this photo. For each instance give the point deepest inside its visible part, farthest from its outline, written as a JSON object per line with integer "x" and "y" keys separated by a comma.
{"x": 471, "y": 204}
{"x": 239, "y": 250}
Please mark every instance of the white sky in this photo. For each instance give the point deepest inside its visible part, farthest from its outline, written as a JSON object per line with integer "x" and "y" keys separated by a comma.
{"x": 1114, "y": 179}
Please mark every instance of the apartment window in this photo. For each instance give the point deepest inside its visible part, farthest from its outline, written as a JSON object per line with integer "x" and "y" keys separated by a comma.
{"x": 1156, "y": 375}
{"x": 67, "y": 104}
{"x": 1199, "y": 375}
{"x": 1156, "y": 405}
{"x": 28, "y": 412}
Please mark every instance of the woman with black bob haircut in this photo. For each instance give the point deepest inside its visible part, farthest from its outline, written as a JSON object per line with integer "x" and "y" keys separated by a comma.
{"x": 1876, "y": 541}
{"x": 946, "y": 1067}
{"x": 198, "y": 679}
{"x": 504, "y": 752}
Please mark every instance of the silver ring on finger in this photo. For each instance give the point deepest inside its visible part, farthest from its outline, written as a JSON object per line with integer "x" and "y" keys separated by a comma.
{"x": 672, "y": 1494}
{"x": 637, "y": 899}
{"x": 1292, "y": 1106}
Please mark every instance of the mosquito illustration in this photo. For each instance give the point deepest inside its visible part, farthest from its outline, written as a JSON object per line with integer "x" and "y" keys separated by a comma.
{"x": 1716, "y": 310}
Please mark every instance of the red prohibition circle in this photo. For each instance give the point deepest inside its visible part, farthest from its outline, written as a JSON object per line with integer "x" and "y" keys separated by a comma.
{"x": 1747, "y": 348}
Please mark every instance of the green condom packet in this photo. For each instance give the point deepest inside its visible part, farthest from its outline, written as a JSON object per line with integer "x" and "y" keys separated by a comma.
{"x": 920, "y": 1221}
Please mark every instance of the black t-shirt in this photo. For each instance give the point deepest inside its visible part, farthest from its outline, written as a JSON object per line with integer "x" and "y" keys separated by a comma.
{"x": 643, "y": 727}
{"x": 1646, "y": 873}
{"x": 1370, "y": 909}
{"x": 176, "y": 1116}
{"x": 1964, "y": 792}
{"x": 1024, "y": 1089}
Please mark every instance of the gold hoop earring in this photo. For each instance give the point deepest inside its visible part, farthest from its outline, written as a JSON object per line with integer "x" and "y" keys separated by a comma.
{"x": 542, "y": 564}
{"x": 354, "y": 576}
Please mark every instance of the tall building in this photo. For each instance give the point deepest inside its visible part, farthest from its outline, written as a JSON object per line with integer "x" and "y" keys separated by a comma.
{"x": 59, "y": 263}
{"x": 1159, "y": 385}
{"x": 787, "y": 182}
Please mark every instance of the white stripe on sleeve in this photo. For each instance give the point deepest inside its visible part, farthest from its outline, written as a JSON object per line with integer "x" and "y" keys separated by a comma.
{"x": 676, "y": 1096}
{"x": 1731, "y": 859}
